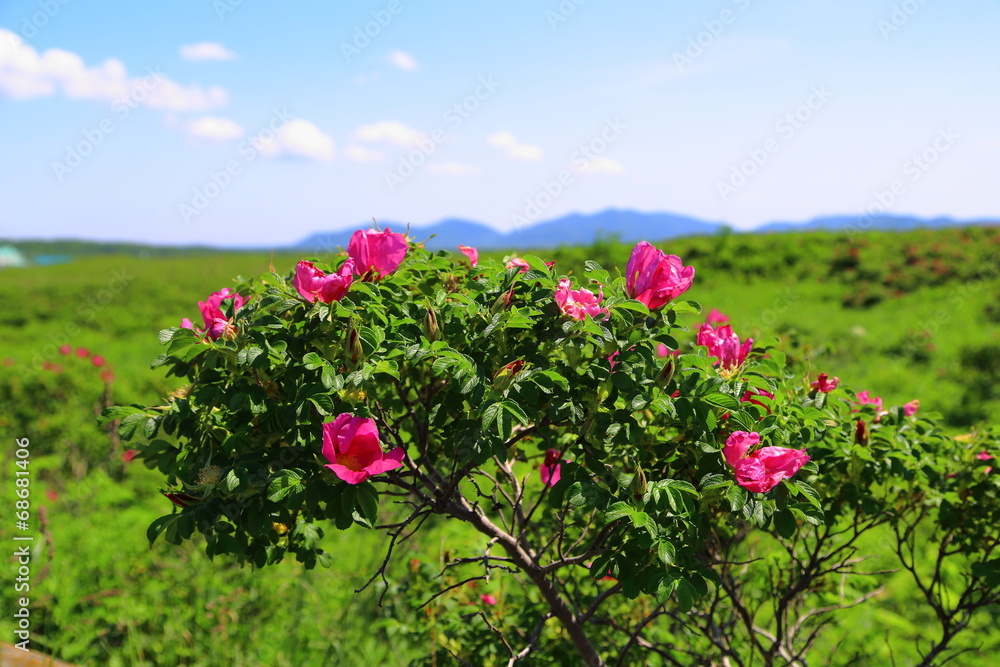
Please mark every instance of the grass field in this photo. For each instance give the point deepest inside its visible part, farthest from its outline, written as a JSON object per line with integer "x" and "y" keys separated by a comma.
{"x": 907, "y": 316}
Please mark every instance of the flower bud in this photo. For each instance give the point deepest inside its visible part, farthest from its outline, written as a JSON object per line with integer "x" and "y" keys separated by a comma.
{"x": 503, "y": 378}
{"x": 431, "y": 328}
{"x": 639, "y": 483}
{"x": 861, "y": 435}
{"x": 666, "y": 373}
{"x": 354, "y": 354}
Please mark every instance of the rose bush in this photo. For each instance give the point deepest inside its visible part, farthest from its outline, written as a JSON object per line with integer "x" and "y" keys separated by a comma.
{"x": 485, "y": 393}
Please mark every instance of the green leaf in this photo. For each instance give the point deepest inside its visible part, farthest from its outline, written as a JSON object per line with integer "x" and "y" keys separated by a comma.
{"x": 686, "y": 595}
{"x": 666, "y": 552}
{"x": 618, "y": 510}
{"x": 130, "y": 424}
{"x": 312, "y": 361}
{"x": 157, "y": 527}
{"x": 368, "y": 501}
{"x": 283, "y": 484}
{"x": 723, "y": 401}
{"x": 784, "y": 523}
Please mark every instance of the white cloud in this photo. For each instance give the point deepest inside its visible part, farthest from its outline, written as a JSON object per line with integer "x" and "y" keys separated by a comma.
{"x": 403, "y": 61}
{"x": 605, "y": 164}
{"x": 362, "y": 154}
{"x": 24, "y": 73}
{"x": 454, "y": 168}
{"x": 514, "y": 150}
{"x": 206, "y": 51}
{"x": 391, "y": 131}
{"x": 211, "y": 128}
{"x": 298, "y": 139}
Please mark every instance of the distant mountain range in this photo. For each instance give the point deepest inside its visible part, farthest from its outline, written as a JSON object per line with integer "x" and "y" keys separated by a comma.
{"x": 627, "y": 225}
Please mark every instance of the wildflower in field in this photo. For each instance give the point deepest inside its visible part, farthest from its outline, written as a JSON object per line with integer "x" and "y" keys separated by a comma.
{"x": 313, "y": 284}
{"x": 824, "y": 384}
{"x": 488, "y": 599}
{"x": 910, "y": 409}
{"x": 97, "y": 360}
{"x": 471, "y": 253}
{"x": 580, "y": 303}
{"x": 725, "y": 346}
{"x": 65, "y": 349}
{"x": 550, "y": 468}
{"x": 654, "y": 277}
{"x": 519, "y": 263}
{"x": 82, "y": 352}
{"x": 377, "y": 253}
{"x": 762, "y": 470}
{"x": 352, "y": 447}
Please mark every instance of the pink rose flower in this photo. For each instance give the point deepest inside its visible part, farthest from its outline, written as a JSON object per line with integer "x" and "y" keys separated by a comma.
{"x": 217, "y": 324}
{"x": 550, "y": 469}
{"x": 517, "y": 262}
{"x": 717, "y": 318}
{"x": 352, "y": 447}
{"x": 488, "y": 599}
{"x": 654, "y": 277}
{"x": 865, "y": 399}
{"x": 910, "y": 409}
{"x": 313, "y": 284}
{"x": 578, "y": 304}
{"x": 762, "y": 470}
{"x": 377, "y": 253}
{"x": 471, "y": 253}
{"x": 725, "y": 346}
{"x": 824, "y": 384}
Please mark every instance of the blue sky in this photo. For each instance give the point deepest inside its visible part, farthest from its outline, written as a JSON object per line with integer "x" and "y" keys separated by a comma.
{"x": 250, "y": 123}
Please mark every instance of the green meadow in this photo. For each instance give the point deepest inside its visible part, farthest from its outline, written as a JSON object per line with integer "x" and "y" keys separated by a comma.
{"x": 908, "y": 315}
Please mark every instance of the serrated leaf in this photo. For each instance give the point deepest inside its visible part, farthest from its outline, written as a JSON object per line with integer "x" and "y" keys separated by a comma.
{"x": 724, "y": 401}
{"x": 618, "y": 510}
{"x": 283, "y": 484}
{"x": 666, "y": 552}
